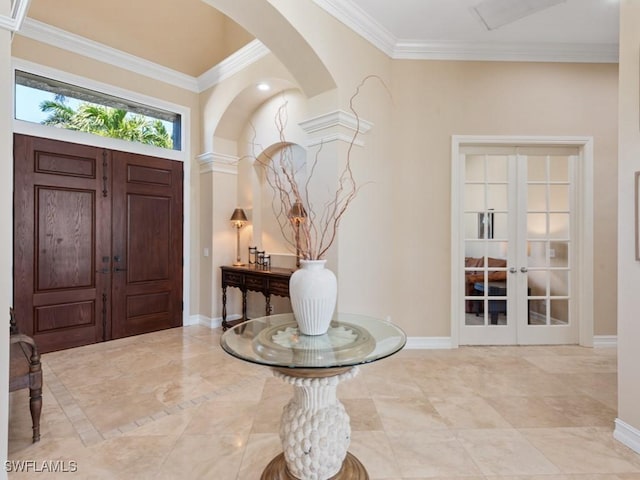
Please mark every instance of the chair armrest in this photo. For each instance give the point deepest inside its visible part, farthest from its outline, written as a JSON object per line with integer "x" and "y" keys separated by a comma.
{"x": 34, "y": 356}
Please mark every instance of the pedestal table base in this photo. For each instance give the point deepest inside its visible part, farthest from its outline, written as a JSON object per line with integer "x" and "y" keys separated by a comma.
{"x": 351, "y": 469}
{"x": 314, "y": 429}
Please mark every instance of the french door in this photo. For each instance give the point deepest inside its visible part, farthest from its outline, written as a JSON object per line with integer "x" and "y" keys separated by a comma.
{"x": 518, "y": 235}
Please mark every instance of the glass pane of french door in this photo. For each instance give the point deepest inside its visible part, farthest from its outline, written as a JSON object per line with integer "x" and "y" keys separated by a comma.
{"x": 487, "y": 240}
{"x": 548, "y": 233}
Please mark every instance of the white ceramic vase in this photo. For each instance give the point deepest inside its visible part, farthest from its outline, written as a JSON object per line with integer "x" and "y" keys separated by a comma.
{"x": 313, "y": 290}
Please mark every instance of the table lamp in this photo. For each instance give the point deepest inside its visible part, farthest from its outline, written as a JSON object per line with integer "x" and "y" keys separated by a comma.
{"x": 238, "y": 219}
{"x": 297, "y": 215}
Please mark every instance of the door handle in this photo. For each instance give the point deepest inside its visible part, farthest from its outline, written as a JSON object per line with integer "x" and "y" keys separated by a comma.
{"x": 119, "y": 269}
{"x": 513, "y": 270}
{"x": 524, "y": 269}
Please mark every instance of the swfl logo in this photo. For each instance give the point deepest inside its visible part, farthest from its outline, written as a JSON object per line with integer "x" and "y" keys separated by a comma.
{"x": 42, "y": 466}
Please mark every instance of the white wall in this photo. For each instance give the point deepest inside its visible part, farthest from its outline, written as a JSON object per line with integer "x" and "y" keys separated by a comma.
{"x": 6, "y": 238}
{"x": 628, "y": 423}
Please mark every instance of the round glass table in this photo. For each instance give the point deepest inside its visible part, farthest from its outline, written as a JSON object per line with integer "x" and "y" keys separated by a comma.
{"x": 314, "y": 428}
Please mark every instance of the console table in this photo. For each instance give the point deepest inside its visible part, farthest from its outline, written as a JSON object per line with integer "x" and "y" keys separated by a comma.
{"x": 314, "y": 428}
{"x": 274, "y": 281}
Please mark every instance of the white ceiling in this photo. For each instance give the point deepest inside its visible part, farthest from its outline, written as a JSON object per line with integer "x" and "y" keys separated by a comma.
{"x": 573, "y": 30}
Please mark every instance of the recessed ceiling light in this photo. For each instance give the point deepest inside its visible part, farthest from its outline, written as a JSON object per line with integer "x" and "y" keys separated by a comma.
{"x": 496, "y": 13}
{"x": 263, "y": 87}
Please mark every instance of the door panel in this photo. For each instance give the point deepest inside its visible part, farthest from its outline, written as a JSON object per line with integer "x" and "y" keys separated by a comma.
{"x": 65, "y": 238}
{"x": 147, "y": 244}
{"x": 57, "y": 243}
{"x": 149, "y": 247}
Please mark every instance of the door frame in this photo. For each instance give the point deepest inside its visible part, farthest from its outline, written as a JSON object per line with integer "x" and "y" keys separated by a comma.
{"x": 184, "y": 155}
{"x": 584, "y": 232}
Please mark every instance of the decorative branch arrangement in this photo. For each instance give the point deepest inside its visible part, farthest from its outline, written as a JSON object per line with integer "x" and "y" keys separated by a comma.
{"x": 308, "y": 229}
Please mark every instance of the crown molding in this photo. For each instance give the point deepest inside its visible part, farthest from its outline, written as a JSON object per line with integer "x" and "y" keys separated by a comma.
{"x": 250, "y": 53}
{"x": 59, "y": 38}
{"x": 331, "y": 127}
{"x": 512, "y": 52}
{"x": 218, "y": 163}
{"x": 338, "y": 118}
{"x": 360, "y": 22}
{"x": 75, "y": 43}
{"x": 364, "y": 25}
{"x": 14, "y": 21}
{"x": 345, "y": 11}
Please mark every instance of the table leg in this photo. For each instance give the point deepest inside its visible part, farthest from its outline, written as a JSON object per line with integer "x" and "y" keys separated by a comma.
{"x": 244, "y": 305}
{"x": 224, "y": 309}
{"x": 315, "y": 431}
{"x": 267, "y": 299}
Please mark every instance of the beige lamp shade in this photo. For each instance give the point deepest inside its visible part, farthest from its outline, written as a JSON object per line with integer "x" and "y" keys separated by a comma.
{"x": 297, "y": 212}
{"x": 239, "y": 218}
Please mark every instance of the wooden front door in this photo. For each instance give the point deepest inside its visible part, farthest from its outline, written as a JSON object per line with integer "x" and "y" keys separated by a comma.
{"x": 82, "y": 227}
{"x": 147, "y": 244}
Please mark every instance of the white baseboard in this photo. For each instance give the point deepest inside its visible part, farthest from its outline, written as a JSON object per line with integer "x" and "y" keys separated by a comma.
{"x": 602, "y": 341}
{"x": 428, "y": 343}
{"x": 207, "y": 321}
{"x": 627, "y": 435}
{"x": 413, "y": 343}
{"x": 192, "y": 320}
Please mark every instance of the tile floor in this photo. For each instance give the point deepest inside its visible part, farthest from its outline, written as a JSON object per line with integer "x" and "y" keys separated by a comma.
{"x": 173, "y": 405}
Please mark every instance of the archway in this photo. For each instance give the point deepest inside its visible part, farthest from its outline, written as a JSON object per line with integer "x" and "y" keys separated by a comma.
{"x": 268, "y": 25}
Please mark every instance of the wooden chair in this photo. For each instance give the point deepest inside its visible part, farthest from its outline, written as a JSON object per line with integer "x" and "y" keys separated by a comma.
{"x": 25, "y": 371}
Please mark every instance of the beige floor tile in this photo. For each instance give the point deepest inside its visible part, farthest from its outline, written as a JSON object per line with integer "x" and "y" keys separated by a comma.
{"x": 512, "y": 384}
{"x": 374, "y": 451}
{"x": 579, "y": 363}
{"x": 204, "y": 456}
{"x": 173, "y": 405}
{"x": 408, "y": 414}
{"x": 552, "y": 477}
{"x": 267, "y": 415}
{"x": 355, "y": 387}
{"x": 441, "y": 384}
{"x": 431, "y": 453}
{"x": 165, "y": 425}
{"x": 260, "y": 450}
{"x": 128, "y": 457}
{"x": 276, "y": 390}
{"x": 223, "y": 417}
{"x": 583, "y": 450}
{"x": 600, "y": 386}
{"x": 363, "y": 414}
{"x": 530, "y": 412}
{"x": 70, "y": 451}
{"x": 583, "y": 411}
{"x": 468, "y": 412}
{"x": 505, "y": 452}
